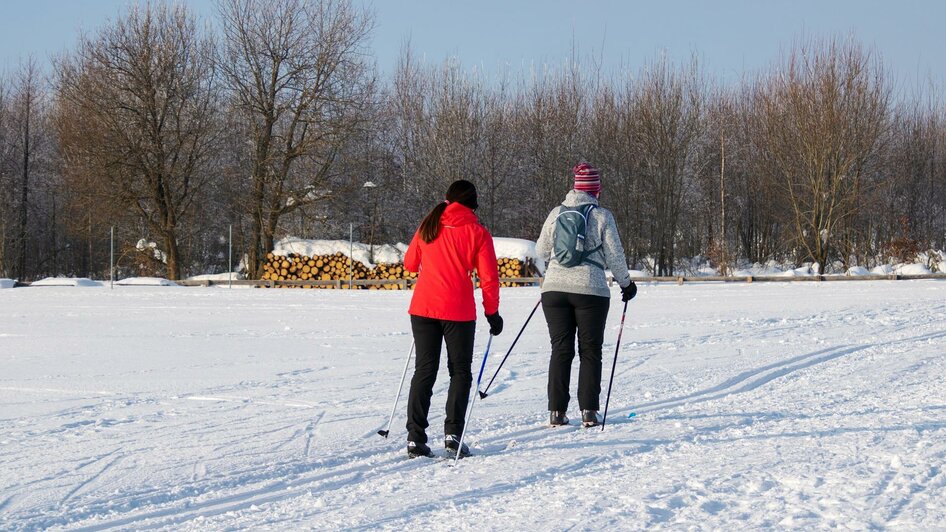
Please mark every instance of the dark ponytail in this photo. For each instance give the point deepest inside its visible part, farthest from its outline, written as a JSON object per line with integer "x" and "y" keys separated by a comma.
{"x": 462, "y": 192}
{"x": 430, "y": 227}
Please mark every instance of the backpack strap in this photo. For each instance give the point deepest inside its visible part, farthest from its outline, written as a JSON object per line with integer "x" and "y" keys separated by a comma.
{"x": 593, "y": 262}
{"x": 586, "y": 212}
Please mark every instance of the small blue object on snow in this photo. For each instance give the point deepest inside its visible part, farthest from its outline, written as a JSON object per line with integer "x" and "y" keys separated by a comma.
{"x": 632, "y": 414}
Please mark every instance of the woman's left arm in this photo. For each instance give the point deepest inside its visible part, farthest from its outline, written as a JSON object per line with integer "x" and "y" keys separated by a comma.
{"x": 488, "y": 272}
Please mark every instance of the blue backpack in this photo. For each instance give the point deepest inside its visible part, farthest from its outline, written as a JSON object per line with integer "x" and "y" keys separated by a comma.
{"x": 568, "y": 237}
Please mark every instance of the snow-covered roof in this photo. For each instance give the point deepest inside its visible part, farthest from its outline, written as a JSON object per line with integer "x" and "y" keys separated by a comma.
{"x": 236, "y": 276}
{"x": 145, "y": 281}
{"x": 912, "y": 269}
{"x": 67, "y": 281}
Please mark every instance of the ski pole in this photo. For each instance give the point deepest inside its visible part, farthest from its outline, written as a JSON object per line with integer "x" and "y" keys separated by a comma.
{"x": 614, "y": 365}
{"x": 483, "y": 394}
{"x": 469, "y": 412}
{"x": 398, "y": 396}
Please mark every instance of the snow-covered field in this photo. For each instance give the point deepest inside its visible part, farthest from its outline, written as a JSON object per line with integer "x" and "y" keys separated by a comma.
{"x": 797, "y": 405}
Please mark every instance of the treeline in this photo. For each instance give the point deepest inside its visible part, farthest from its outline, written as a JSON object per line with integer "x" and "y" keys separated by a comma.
{"x": 277, "y": 123}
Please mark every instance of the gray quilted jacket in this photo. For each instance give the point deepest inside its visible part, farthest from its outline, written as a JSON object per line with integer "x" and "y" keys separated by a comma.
{"x": 585, "y": 278}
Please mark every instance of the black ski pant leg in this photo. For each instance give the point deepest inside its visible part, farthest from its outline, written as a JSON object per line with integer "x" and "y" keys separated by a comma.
{"x": 591, "y": 315}
{"x": 428, "y": 339}
{"x": 560, "y": 316}
{"x": 459, "y": 336}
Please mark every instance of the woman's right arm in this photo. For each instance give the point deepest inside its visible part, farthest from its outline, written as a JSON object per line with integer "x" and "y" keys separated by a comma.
{"x": 412, "y": 255}
{"x": 614, "y": 251}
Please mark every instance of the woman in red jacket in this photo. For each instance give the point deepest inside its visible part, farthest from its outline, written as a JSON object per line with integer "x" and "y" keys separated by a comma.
{"x": 447, "y": 247}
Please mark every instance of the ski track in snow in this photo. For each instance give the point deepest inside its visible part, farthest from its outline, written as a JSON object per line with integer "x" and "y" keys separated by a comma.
{"x": 796, "y": 406}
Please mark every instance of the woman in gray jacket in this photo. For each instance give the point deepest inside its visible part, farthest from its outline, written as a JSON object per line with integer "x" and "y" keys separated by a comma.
{"x": 575, "y": 293}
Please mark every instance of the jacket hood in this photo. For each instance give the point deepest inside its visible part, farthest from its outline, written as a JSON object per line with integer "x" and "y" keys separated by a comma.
{"x": 577, "y": 198}
{"x": 458, "y": 214}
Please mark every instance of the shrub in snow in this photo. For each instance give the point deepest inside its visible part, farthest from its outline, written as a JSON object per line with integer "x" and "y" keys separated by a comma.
{"x": 152, "y": 248}
{"x": 934, "y": 260}
{"x": 904, "y": 248}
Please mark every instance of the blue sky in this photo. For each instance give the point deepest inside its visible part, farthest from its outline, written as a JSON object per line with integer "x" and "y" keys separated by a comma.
{"x": 729, "y": 36}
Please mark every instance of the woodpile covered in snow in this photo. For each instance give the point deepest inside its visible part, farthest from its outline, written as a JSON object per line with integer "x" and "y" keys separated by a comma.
{"x": 334, "y": 267}
{"x": 328, "y": 265}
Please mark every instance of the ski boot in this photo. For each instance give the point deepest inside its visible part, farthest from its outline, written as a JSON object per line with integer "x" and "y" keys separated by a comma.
{"x": 557, "y": 418}
{"x": 451, "y": 443}
{"x": 589, "y": 418}
{"x": 415, "y": 449}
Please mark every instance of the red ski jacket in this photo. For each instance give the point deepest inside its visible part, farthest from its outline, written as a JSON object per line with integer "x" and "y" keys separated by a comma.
{"x": 444, "y": 289}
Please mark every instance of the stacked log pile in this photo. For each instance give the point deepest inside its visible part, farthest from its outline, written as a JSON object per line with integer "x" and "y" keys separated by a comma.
{"x": 513, "y": 268}
{"x": 295, "y": 267}
{"x": 390, "y": 272}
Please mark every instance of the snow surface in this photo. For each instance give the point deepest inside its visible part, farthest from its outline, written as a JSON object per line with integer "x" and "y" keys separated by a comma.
{"x": 789, "y": 406}
{"x": 145, "y": 281}
{"x": 7, "y": 283}
{"x": 67, "y": 281}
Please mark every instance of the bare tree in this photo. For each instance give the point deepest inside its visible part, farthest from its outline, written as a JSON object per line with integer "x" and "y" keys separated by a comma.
{"x": 6, "y": 199}
{"x": 499, "y": 157}
{"x": 553, "y": 122}
{"x": 667, "y": 113}
{"x": 298, "y": 74}
{"x": 27, "y": 105}
{"x": 138, "y": 111}
{"x": 916, "y": 173}
{"x": 612, "y": 146}
{"x": 823, "y": 114}
{"x": 23, "y": 142}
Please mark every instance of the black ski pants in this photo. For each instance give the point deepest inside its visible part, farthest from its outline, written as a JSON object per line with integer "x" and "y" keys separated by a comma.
{"x": 565, "y": 314}
{"x": 429, "y": 336}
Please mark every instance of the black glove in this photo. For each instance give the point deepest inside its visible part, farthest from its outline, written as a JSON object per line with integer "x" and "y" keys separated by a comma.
{"x": 628, "y": 292}
{"x": 495, "y": 323}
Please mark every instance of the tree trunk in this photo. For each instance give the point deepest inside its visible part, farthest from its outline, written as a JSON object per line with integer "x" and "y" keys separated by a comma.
{"x": 254, "y": 251}
{"x": 24, "y": 191}
{"x": 173, "y": 258}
